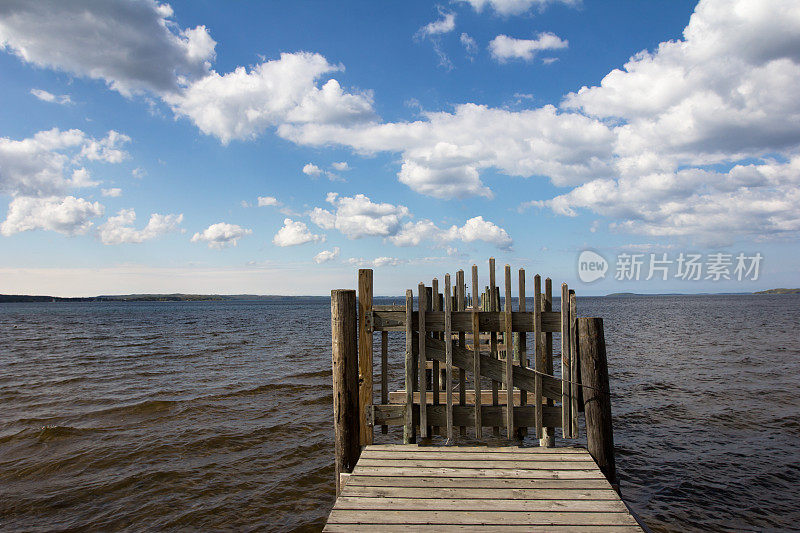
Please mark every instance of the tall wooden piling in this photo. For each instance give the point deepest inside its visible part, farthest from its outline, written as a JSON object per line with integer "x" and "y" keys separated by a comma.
{"x": 344, "y": 346}
{"x": 596, "y": 395}
{"x": 365, "y": 368}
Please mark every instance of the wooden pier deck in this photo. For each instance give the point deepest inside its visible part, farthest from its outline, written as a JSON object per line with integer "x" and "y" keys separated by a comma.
{"x": 397, "y": 487}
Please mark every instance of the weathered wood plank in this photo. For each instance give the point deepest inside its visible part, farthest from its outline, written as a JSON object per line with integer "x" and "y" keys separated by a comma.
{"x": 519, "y": 464}
{"x": 491, "y": 415}
{"x": 521, "y": 345}
{"x": 527, "y": 518}
{"x": 462, "y": 373}
{"x": 384, "y": 373}
{"x": 462, "y": 504}
{"x": 478, "y": 483}
{"x": 365, "y": 368}
{"x": 509, "y": 377}
{"x": 433, "y": 305}
{"x": 549, "y": 433}
{"x": 566, "y": 401}
{"x": 483, "y": 449}
{"x": 448, "y": 335}
{"x": 573, "y": 363}
{"x": 421, "y": 341}
{"x": 483, "y": 493}
{"x": 478, "y": 472}
{"x": 399, "y": 396}
{"x": 409, "y": 434}
{"x": 539, "y": 357}
{"x": 476, "y": 354}
{"x": 458, "y": 455}
{"x": 455, "y": 528}
{"x": 494, "y": 305}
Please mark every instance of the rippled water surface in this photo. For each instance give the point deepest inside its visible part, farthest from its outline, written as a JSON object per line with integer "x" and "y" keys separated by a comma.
{"x": 217, "y": 415}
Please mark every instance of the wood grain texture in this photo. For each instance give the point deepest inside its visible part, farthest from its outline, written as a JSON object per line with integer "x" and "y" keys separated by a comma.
{"x": 365, "y": 368}
{"x": 409, "y": 434}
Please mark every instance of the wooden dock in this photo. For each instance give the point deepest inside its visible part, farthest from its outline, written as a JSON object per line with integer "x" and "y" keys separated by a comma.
{"x": 397, "y": 487}
{"x": 430, "y": 482}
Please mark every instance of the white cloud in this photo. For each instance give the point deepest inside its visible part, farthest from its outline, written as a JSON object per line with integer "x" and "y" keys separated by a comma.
{"x": 504, "y": 47}
{"x": 132, "y": 46}
{"x": 39, "y": 165}
{"x": 474, "y": 229}
{"x": 221, "y": 235}
{"x": 114, "y": 192}
{"x": 310, "y": 169}
{"x": 243, "y": 103}
{"x": 341, "y": 166}
{"x": 68, "y": 215}
{"x": 119, "y": 229}
{"x": 444, "y": 154}
{"x": 295, "y": 233}
{"x": 265, "y": 201}
{"x": 44, "y": 96}
{"x": 378, "y": 262}
{"x": 445, "y": 24}
{"x": 138, "y": 173}
{"x": 516, "y": 7}
{"x": 358, "y": 216}
{"x": 326, "y": 256}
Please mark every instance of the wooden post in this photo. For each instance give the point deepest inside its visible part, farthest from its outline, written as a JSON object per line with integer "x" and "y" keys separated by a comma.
{"x": 384, "y": 374}
{"x": 596, "y": 395}
{"x": 345, "y": 381}
{"x": 509, "y": 357}
{"x": 476, "y": 353}
{"x": 365, "y": 368}
{"x": 409, "y": 434}
{"x": 549, "y": 434}
{"x": 422, "y": 300}
{"x": 462, "y": 375}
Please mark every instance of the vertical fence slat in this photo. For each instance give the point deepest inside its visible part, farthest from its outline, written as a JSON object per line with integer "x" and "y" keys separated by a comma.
{"x": 409, "y": 435}
{"x": 521, "y": 344}
{"x": 448, "y": 351}
{"x": 365, "y": 368}
{"x": 433, "y": 305}
{"x": 476, "y": 352}
{"x": 550, "y": 432}
{"x": 538, "y": 340}
{"x": 384, "y": 374}
{"x": 509, "y": 357}
{"x": 462, "y": 374}
{"x": 422, "y": 304}
{"x": 494, "y": 305}
{"x": 566, "y": 404}
{"x": 573, "y": 352}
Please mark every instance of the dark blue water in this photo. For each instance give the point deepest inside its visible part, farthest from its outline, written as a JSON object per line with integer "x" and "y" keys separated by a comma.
{"x": 217, "y": 415}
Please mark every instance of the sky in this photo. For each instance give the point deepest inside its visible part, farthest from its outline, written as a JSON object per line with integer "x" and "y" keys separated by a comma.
{"x": 277, "y": 147}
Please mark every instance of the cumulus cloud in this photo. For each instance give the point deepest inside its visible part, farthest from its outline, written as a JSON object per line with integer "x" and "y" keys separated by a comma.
{"x": 310, "y": 169}
{"x": 44, "y": 96}
{"x": 119, "y": 229}
{"x": 326, "y": 256}
{"x": 516, "y": 7}
{"x": 50, "y": 162}
{"x": 68, "y": 215}
{"x": 358, "y": 216}
{"x": 444, "y": 154}
{"x": 265, "y": 201}
{"x": 504, "y": 47}
{"x": 474, "y": 229}
{"x": 114, "y": 192}
{"x": 245, "y": 102}
{"x": 294, "y": 233}
{"x": 221, "y": 235}
{"x": 341, "y": 166}
{"x": 131, "y": 46}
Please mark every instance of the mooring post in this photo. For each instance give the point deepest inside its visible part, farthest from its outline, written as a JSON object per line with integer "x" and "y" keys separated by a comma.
{"x": 345, "y": 381}
{"x": 365, "y": 366}
{"x": 597, "y": 396}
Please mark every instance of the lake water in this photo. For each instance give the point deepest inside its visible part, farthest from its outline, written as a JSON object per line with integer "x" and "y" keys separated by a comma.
{"x": 217, "y": 415}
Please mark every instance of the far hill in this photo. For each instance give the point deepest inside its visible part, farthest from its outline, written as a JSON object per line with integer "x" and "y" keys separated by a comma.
{"x": 779, "y": 291}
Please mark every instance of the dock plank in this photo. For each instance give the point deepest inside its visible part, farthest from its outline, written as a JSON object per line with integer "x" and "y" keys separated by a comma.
{"x": 478, "y": 488}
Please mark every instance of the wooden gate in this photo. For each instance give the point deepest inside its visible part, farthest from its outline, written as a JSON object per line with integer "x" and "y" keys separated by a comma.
{"x": 464, "y": 337}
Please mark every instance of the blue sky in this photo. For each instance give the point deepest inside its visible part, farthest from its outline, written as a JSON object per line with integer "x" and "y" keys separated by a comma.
{"x": 273, "y": 148}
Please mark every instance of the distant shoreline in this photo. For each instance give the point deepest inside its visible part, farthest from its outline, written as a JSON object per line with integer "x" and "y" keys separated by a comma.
{"x": 179, "y": 297}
